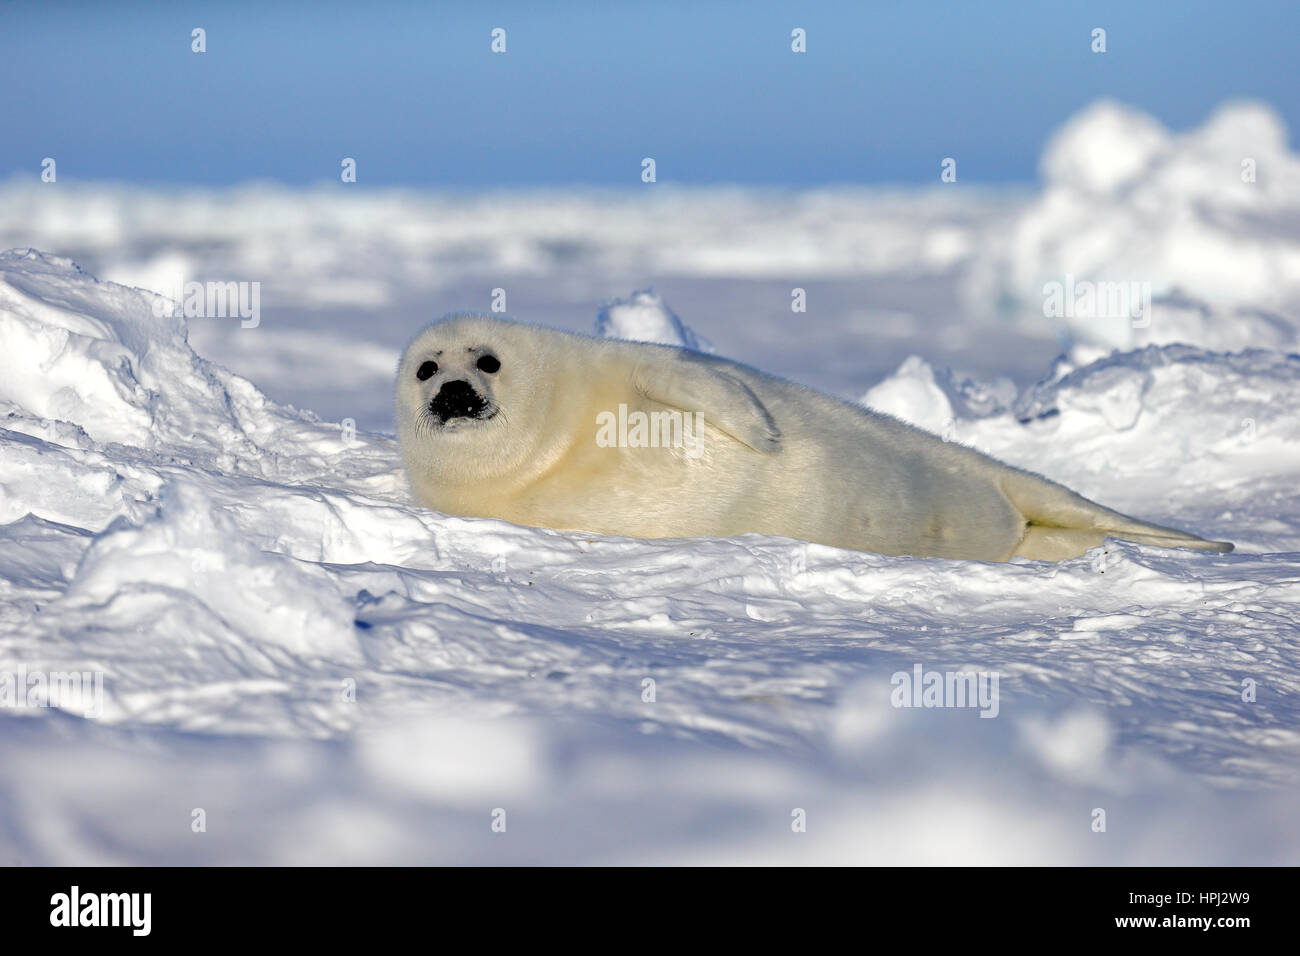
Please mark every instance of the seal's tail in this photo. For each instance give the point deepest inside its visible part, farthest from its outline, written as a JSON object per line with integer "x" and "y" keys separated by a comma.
{"x": 1060, "y": 520}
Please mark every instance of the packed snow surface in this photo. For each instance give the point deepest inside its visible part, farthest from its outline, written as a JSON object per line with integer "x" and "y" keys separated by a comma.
{"x": 292, "y": 663}
{"x": 332, "y": 674}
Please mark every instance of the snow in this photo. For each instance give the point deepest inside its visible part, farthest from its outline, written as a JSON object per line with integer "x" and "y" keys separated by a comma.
{"x": 645, "y": 317}
{"x": 1209, "y": 219}
{"x": 334, "y": 675}
{"x": 332, "y": 245}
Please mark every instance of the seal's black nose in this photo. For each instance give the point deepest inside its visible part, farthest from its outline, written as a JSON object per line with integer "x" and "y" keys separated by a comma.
{"x": 457, "y": 400}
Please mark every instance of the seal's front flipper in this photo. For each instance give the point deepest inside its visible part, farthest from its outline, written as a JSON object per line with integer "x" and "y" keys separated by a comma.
{"x": 727, "y": 403}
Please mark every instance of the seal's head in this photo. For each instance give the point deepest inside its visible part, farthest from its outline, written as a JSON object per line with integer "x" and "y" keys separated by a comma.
{"x": 452, "y": 387}
{"x": 472, "y": 398}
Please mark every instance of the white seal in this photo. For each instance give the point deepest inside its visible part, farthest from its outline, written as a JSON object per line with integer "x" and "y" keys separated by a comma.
{"x": 558, "y": 430}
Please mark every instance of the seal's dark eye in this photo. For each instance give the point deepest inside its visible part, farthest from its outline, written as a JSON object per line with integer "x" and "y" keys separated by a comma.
{"x": 489, "y": 364}
{"x": 426, "y": 370}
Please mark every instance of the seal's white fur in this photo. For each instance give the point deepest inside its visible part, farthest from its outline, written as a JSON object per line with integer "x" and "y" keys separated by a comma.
{"x": 773, "y": 457}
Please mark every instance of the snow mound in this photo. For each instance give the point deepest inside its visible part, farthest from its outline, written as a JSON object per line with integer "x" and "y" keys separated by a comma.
{"x": 106, "y": 361}
{"x": 186, "y": 544}
{"x": 645, "y": 317}
{"x": 1104, "y": 149}
{"x": 338, "y": 676}
{"x": 914, "y": 395}
{"x": 1206, "y": 220}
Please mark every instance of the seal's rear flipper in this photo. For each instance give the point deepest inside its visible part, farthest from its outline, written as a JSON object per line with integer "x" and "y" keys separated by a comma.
{"x": 1043, "y": 543}
{"x": 1062, "y": 524}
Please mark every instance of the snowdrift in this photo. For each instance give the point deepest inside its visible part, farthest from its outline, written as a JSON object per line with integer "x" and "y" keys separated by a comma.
{"x": 367, "y": 248}
{"x": 299, "y": 666}
{"x": 1208, "y": 220}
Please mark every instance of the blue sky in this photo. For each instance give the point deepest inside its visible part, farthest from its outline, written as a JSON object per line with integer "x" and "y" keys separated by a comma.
{"x": 712, "y": 91}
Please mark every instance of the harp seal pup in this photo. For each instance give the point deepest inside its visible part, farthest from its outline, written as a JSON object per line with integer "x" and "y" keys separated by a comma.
{"x": 554, "y": 429}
